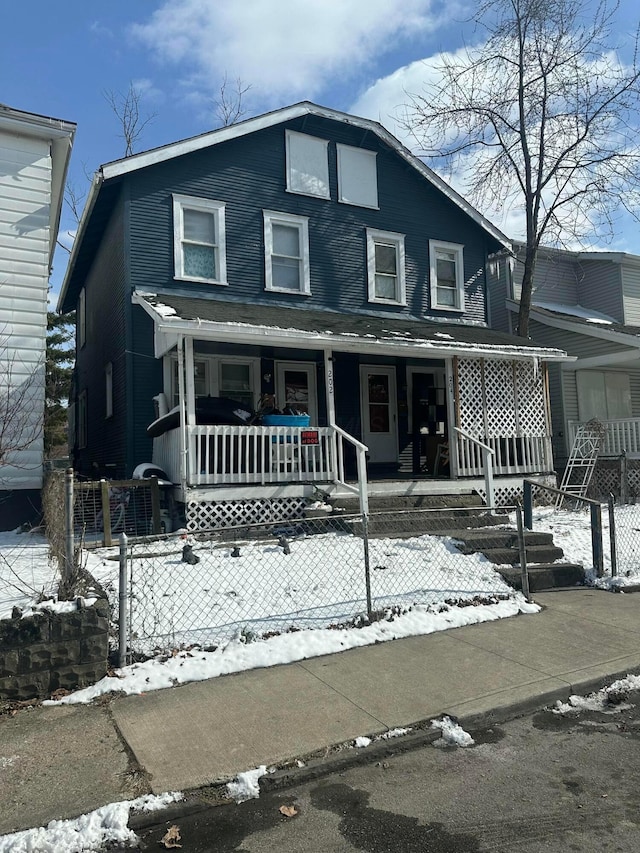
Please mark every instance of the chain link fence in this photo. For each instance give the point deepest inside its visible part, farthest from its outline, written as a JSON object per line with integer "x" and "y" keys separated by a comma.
{"x": 260, "y": 580}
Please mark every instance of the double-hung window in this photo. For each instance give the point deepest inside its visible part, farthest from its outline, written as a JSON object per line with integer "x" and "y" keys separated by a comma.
{"x": 286, "y": 249}
{"x": 447, "y": 275}
{"x": 199, "y": 239}
{"x": 357, "y": 176}
{"x": 307, "y": 165}
{"x": 385, "y": 267}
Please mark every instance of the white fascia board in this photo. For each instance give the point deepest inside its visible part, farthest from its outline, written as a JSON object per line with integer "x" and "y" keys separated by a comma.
{"x": 612, "y": 359}
{"x": 234, "y": 131}
{"x": 594, "y": 331}
{"x": 169, "y": 327}
{"x": 86, "y": 215}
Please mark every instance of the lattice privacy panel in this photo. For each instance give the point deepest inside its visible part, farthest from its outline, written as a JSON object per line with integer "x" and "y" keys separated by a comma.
{"x": 215, "y": 515}
{"x": 530, "y": 392}
{"x": 606, "y": 479}
{"x": 505, "y": 495}
{"x": 470, "y": 396}
{"x": 499, "y": 398}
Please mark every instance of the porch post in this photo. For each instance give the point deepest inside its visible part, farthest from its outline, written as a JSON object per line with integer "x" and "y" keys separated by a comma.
{"x": 329, "y": 388}
{"x": 183, "y": 421}
{"x": 190, "y": 381}
{"x": 452, "y": 436}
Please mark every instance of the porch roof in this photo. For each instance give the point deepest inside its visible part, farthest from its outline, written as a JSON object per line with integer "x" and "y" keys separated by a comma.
{"x": 236, "y": 322}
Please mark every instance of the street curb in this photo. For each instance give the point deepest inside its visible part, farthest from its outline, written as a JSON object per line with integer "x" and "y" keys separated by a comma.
{"x": 342, "y": 757}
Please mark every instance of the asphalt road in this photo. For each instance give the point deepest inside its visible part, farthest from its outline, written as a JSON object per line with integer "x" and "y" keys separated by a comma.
{"x": 540, "y": 783}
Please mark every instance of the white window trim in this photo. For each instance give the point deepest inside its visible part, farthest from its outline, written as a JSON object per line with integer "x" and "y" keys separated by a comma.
{"x": 289, "y": 135}
{"x": 458, "y": 248}
{"x": 182, "y": 202}
{"x": 373, "y": 237}
{"x": 82, "y": 319}
{"x": 213, "y": 373}
{"x": 272, "y": 217}
{"x": 108, "y": 389}
{"x": 340, "y": 147}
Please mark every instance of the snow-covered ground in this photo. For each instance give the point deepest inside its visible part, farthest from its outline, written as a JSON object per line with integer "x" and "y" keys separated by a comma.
{"x": 25, "y": 571}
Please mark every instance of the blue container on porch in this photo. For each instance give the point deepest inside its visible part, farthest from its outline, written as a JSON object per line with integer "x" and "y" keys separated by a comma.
{"x": 286, "y": 420}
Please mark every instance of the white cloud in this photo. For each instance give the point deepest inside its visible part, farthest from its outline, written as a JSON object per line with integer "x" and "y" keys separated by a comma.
{"x": 285, "y": 49}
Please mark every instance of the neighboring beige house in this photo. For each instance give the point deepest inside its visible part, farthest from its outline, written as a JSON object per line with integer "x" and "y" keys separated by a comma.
{"x": 34, "y": 156}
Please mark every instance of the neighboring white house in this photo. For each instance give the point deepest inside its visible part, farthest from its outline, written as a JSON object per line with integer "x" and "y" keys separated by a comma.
{"x": 34, "y": 156}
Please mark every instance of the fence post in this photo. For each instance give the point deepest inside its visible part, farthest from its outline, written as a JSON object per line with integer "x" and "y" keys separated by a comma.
{"x": 527, "y": 489}
{"x": 624, "y": 478}
{"x": 155, "y": 506}
{"x": 596, "y": 539}
{"x": 122, "y": 602}
{"x": 612, "y": 536}
{"x": 68, "y": 530}
{"x": 367, "y": 565}
{"x": 106, "y": 513}
{"x": 522, "y": 548}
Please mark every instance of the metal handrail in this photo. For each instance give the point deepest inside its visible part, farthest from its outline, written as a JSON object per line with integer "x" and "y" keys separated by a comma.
{"x": 487, "y": 464}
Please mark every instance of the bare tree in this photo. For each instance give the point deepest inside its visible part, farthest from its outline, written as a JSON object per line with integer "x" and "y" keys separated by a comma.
{"x": 542, "y": 116}
{"x": 127, "y": 107}
{"x": 74, "y": 200}
{"x": 229, "y": 106}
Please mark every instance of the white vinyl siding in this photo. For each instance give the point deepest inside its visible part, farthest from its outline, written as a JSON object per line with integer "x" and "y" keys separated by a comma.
{"x": 631, "y": 294}
{"x": 357, "y": 176}
{"x": 25, "y": 199}
{"x": 286, "y": 250}
{"x": 307, "y": 164}
{"x": 447, "y": 275}
{"x": 199, "y": 240}
{"x": 385, "y": 267}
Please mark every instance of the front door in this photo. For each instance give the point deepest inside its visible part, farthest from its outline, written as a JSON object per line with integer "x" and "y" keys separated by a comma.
{"x": 428, "y": 422}
{"x": 296, "y": 388}
{"x": 379, "y": 413}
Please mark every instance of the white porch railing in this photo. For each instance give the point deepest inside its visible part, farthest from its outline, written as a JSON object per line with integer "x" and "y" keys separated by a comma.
{"x": 511, "y": 455}
{"x": 228, "y": 455}
{"x": 486, "y": 454}
{"x": 622, "y": 436}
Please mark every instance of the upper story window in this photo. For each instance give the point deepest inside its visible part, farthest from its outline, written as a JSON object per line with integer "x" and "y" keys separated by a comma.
{"x": 357, "y": 176}
{"x": 199, "y": 239}
{"x": 108, "y": 389}
{"x": 81, "y": 320}
{"x": 385, "y": 267}
{"x": 307, "y": 164}
{"x": 447, "y": 275}
{"x": 286, "y": 250}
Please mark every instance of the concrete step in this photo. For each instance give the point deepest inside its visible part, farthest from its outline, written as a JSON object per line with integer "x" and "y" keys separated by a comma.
{"x": 390, "y": 503}
{"x": 469, "y": 541}
{"x": 536, "y": 554}
{"x": 545, "y": 576}
{"x": 406, "y": 524}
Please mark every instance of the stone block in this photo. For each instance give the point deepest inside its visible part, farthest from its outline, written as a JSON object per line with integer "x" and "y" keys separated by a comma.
{"x": 19, "y": 632}
{"x": 28, "y": 686}
{"x": 94, "y": 648}
{"x": 34, "y": 658}
{"x": 75, "y": 677}
{"x": 8, "y": 663}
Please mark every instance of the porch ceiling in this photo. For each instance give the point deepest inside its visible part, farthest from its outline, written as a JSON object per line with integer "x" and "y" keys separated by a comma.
{"x": 213, "y": 319}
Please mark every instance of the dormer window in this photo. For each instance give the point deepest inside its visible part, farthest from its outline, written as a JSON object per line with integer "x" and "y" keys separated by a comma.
{"x": 307, "y": 165}
{"x": 357, "y": 176}
{"x": 199, "y": 240}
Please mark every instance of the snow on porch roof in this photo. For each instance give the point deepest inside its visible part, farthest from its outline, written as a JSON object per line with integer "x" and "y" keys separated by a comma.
{"x": 238, "y": 322}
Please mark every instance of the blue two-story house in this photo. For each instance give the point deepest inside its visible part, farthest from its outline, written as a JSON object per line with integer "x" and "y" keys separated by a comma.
{"x": 302, "y": 260}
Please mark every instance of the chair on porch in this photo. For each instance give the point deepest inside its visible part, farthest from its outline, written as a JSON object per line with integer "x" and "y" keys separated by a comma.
{"x": 442, "y": 458}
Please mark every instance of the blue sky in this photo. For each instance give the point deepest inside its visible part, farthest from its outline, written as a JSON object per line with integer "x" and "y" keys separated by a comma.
{"x": 58, "y": 58}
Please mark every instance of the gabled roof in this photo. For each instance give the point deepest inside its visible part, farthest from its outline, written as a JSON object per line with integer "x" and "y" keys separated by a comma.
{"x": 60, "y": 135}
{"x": 118, "y": 168}
{"x": 574, "y": 318}
{"x": 260, "y": 324}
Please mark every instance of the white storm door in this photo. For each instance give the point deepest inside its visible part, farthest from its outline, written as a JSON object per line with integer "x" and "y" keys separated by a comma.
{"x": 379, "y": 412}
{"x": 296, "y": 387}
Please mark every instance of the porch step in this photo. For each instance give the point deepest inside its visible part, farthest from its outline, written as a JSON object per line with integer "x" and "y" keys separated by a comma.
{"x": 549, "y": 576}
{"x": 390, "y": 503}
{"x": 536, "y": 554}
{"x": 397, "y": 525}
{"x": 485, "y": 541}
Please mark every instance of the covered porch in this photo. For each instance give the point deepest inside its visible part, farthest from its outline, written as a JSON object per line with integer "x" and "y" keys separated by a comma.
{"x": 387, "y": 400}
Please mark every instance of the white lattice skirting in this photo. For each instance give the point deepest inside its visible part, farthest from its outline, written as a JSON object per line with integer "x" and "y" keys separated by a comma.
{"x": 215, "y": 515}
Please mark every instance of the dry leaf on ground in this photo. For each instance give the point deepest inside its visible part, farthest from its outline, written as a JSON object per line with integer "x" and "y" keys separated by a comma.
{"x": 171, "y": 837}
{"x": 288, "y": 811}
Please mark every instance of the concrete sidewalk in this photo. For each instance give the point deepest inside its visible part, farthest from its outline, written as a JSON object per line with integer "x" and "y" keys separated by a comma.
{"x": 202, "y": 733}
